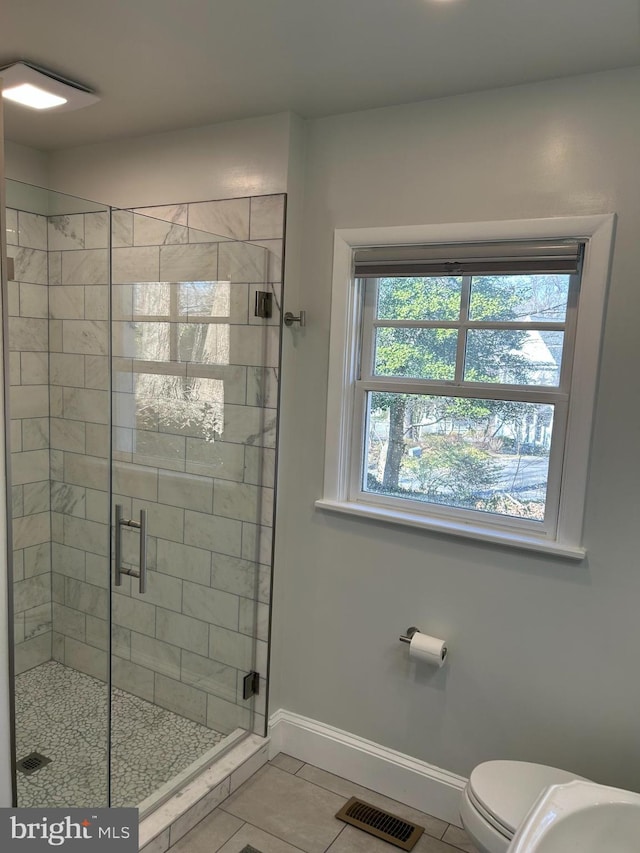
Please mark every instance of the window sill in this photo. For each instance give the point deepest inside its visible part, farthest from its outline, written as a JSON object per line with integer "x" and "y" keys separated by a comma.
{"x": 496, "y": 537}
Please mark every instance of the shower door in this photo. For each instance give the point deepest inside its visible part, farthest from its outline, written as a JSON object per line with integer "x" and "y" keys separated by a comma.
{"x": 193, "y": 438}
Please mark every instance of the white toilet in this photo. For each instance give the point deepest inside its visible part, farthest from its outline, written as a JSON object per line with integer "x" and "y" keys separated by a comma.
{"x": 498, "y": 796}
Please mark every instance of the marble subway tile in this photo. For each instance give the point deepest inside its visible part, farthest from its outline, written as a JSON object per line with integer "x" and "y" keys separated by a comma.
{"x": 37, "y": 559}
{"x": 226, "y": 716}
{"x": 159, "y": 450}
{"x": 256, "y": 543}
{"x": 133, "y": 678}
{"x": 28, "y": 335}
{"x": 185, "y": 490}
{"x": 135, "y": 615}
{"x": 97, "y": 570}
{"x": 86, "y": 404}
{"x": 14, "y": 367}
{"x": 239, "y": 500}
{"x": 54, "y": 263}
{"x": 254, "y": 619}
{"x": 121, "y": 228}
{"x": 267, "y": 217}
{"x": 11, "y": 222}
{"x": 209, "y": 675}
{"x": 55, "y": 336}
{"x": 162, "y": 520}
{"x": 135, "y": 480}
{"x": 234, "y": 575}
{"x": 176, "y": 213}
{"x": 230, "y": 647}
{"x": 181, "y": 699}
{"x": 93, "y": 536}
{"x": 262, "y": 387}
{"x": 31, "y": 530}
{"x": 34, "y": 300}
{"x": 189, "y": 263}
{"x": 156, "y": 655}
{"x": 87, "y": 471}
{"x": 242, "y": 262}
{"x": 32, "y": 653}
{"x": 66, "y": 303}
{"x": 29, "y": 467}
{"x": 86, "y": 658}
{"x": 191, "y": 564}
{"x": 67, "y": 369}
{"x": 162, "y": 590}
{"x": 136, "y": 264}
{"x": 96, "y": 230}
{"x": 96, "y": 302}
{"x": 85, "y": 267}
{"x": 210, "y": 605}
{"x": 218, "y": 459}
{"x": 69, "y": 622}
{"x": 249, "y": 425}
{"x": 182, "y": 631}
{"x": 222, "y": 535}
{"x": 150, "y": 231}
{"x": 97, "y": 441}
{"x": 37, "y": 620}
{"x": 66, "y": 232}
{"x": 87, "y": 337}
{"x": 97, "y": 505}
{"x": 96, "y": 369}
{"x": 259, "y": 466}
{"x": 87, "y": 598}
{"x": 274, "y": 249}
{"x": 29, "y": 401}
{"x": 35, "y": 433}
{"x": 32, "y": 230}
{"x": 31, "y": 266}
{"x": 228, "y": 218}
{"x": 68, "y": 561}
{"x": 34, "y": 368}
{"x": 68, "y": 499}
{"x": 36, "y": 498}
{"x": 31, "y": 592}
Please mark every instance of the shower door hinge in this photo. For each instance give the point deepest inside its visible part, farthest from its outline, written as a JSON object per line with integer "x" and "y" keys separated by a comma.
{"x": 251, "y": 685}
{"x": 264, "y": 304}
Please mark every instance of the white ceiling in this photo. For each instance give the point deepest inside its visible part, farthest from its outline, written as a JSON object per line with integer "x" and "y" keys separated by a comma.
{"x": 160, "y": 65}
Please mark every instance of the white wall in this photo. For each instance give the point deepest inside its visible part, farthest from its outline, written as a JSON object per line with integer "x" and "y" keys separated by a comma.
{"x": 544, "y": 652}
{"x": 238, "y": 158}
{"x": 25, "y": 164}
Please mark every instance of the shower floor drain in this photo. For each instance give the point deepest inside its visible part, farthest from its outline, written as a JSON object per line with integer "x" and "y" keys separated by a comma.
{"x": 250, "y": 849}
{"x": 32, "y": 762}
{"x": 385, "y": 825}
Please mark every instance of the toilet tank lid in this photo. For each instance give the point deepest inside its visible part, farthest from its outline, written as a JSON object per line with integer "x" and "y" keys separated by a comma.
{"x": 508, "y": 789}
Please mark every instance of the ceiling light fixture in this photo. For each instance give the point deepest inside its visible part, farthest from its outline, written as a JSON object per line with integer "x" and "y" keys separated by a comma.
{"x": 31, "y": 86}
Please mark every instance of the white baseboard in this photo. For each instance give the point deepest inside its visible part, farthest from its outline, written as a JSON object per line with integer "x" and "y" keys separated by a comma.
{"x": 401, "y": 777}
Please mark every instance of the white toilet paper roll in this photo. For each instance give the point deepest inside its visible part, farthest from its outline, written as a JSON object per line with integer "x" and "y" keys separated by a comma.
{"x": 428, "y": 649}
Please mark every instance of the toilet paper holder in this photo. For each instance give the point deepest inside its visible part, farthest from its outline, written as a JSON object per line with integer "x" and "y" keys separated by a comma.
{"x": 408, "y": 636}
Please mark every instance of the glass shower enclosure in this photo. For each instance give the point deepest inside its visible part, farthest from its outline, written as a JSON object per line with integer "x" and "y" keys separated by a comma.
{"x": 143, "y": 353}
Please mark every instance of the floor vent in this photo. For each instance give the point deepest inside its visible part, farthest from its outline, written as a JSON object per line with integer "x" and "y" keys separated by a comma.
{"x": 382, "y": 824}
{"x": 32, "y": 762}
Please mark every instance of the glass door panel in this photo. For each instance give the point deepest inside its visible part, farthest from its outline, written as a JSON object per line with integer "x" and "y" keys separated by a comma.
{"x": 59, "y": 404}
{"x": 191, "y": 431}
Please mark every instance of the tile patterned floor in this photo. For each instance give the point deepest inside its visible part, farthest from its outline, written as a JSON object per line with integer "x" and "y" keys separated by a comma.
{"x": 289, "y": 807}
{"x": 62, "y": 714}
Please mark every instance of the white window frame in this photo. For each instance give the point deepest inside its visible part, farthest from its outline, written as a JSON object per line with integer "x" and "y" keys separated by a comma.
{"x": 563, "y": 539}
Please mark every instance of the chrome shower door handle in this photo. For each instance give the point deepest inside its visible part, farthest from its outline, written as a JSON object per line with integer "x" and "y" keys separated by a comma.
{"x": 141, "y": 525}
{"x": 142, "y": 587}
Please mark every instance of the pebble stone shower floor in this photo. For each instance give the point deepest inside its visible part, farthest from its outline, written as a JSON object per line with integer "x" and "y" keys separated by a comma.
{"x": 62, "y": 714}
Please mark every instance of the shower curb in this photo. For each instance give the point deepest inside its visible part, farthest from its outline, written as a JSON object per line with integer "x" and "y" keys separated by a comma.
{"x": 191, "y": 804}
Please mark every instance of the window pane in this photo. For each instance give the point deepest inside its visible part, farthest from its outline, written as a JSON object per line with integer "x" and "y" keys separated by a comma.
{"x": 530, "y": 357}
{"x": 205, "y": 298}
{"x": 151, "y": 299}
{"x": 433, "y": 298}
{"x": 485, "y": 455}
{"x": 519, "y": 297}
{"x": 204, "y": 343}
{"x": 416, "y": 353}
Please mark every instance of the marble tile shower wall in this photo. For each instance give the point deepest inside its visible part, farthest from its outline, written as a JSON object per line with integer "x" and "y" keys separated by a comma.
{"x": 195, "y": 394}
{"x": 29, "y": 435}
